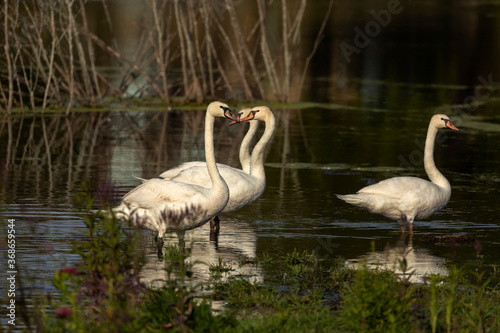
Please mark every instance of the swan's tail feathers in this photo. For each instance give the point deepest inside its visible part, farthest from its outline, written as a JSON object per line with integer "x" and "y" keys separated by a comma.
{"x": 353, "y": 199}
{"x": 139, "y": 178}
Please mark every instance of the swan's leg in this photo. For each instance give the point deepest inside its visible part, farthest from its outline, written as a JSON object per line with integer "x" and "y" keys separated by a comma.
{"x": 402, "y": 222}
{"x": 215, "y": 225}
{"x": 410, "y": 223}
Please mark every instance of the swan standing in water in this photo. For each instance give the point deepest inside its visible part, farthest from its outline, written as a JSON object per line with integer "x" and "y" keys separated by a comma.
{"x": 408, "y": 198}
{"x": 164, "y": 205}
{"x": 245, "y": 185}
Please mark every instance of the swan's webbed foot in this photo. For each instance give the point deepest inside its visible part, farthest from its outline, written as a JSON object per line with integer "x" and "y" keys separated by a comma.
{"x": 215, "y": 225}
{"x": 160, "y": 248}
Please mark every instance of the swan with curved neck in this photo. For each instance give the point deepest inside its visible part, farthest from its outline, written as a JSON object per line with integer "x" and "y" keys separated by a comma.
{"x": 244, "y": 153}
{"x": 245, "y": 185}
{"x": 168, "y": 205}
{"x": 408, "y": 198}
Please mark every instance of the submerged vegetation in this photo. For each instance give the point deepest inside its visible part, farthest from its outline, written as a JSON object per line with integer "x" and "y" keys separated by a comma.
{"x": 300, "y": 293}
{"x": 57, "y": 55}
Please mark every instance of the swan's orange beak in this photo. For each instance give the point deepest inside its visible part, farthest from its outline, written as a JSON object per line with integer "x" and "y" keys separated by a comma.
{"x": 229, "y": 115}
{"x": 451, "y": 126}
{"x": 237, "y": 121}
{"x": 250, "y": 116}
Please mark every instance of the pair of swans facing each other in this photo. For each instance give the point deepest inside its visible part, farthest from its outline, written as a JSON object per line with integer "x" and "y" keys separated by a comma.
{"x": 408, "y": 198}
{"x": 245, "y": 185}
{"x": 190, "y": 195}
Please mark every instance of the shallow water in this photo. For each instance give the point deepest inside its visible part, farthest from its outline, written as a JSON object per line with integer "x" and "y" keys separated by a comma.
{"x": 315, "y": 153}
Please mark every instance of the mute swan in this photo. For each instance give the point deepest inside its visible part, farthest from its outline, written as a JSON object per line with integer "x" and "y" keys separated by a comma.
{"x": 246, "y": 185}
{"x": 165, "y": 205}
{"x": 407, "y": 198}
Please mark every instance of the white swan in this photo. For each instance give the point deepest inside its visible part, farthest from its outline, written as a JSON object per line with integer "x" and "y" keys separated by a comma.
{"x": 163, "y": 205}
{"x": 246, "y": 185}
{"x": 407, "y": 198}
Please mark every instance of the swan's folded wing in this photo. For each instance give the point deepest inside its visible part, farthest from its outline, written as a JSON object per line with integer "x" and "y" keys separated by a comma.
{"x": 171, "y": 173}
{"x": 397, "y": 187}
{"x": 154, "y": 192}
{"x": 198, "y": 175}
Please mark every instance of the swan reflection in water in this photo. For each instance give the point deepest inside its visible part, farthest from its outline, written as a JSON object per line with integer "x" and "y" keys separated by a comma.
{"x": 420, "y": 263}
{"x": 237, "y": 242}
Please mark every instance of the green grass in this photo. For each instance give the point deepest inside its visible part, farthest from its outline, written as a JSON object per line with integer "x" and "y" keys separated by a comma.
{"x": 216, "y": 270}
{"x": 220, "y": 267}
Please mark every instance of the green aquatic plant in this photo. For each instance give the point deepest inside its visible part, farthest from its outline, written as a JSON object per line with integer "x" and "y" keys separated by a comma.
{"x": 174, "y": 306}
{"x": 103, "y": 289}
{"x": 242, "y": 261}
{"x": 433, "y": 304}
{"x": 216, "y": 270}
{"x": 267, "y": 259}
{"x": 451, "y": 286}
{"x": 376, "y": 301}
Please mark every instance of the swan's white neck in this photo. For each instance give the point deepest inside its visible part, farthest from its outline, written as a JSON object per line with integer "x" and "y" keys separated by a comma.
{"x": 217, "y": 181}
{"x": 257, "y": 169}
{"x": 430, "y": 167}
{"x": 245, "y": 144}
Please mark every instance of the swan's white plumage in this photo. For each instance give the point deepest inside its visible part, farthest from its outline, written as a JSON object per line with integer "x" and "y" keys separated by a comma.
{"x": 389, "y": 196}
{"x": 163, "y": 205}
{"x": 245, "y": 185}
{"x": 409, "y": 198}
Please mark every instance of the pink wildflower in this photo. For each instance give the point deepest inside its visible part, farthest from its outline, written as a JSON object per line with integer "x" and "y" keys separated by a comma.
{"x": 63, "y": 312}
{"x": 68, "y": 270}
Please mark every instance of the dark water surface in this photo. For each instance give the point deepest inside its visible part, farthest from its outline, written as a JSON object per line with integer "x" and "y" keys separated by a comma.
{"x": 369, "y": 124}
{"x": 315, "y": 153}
